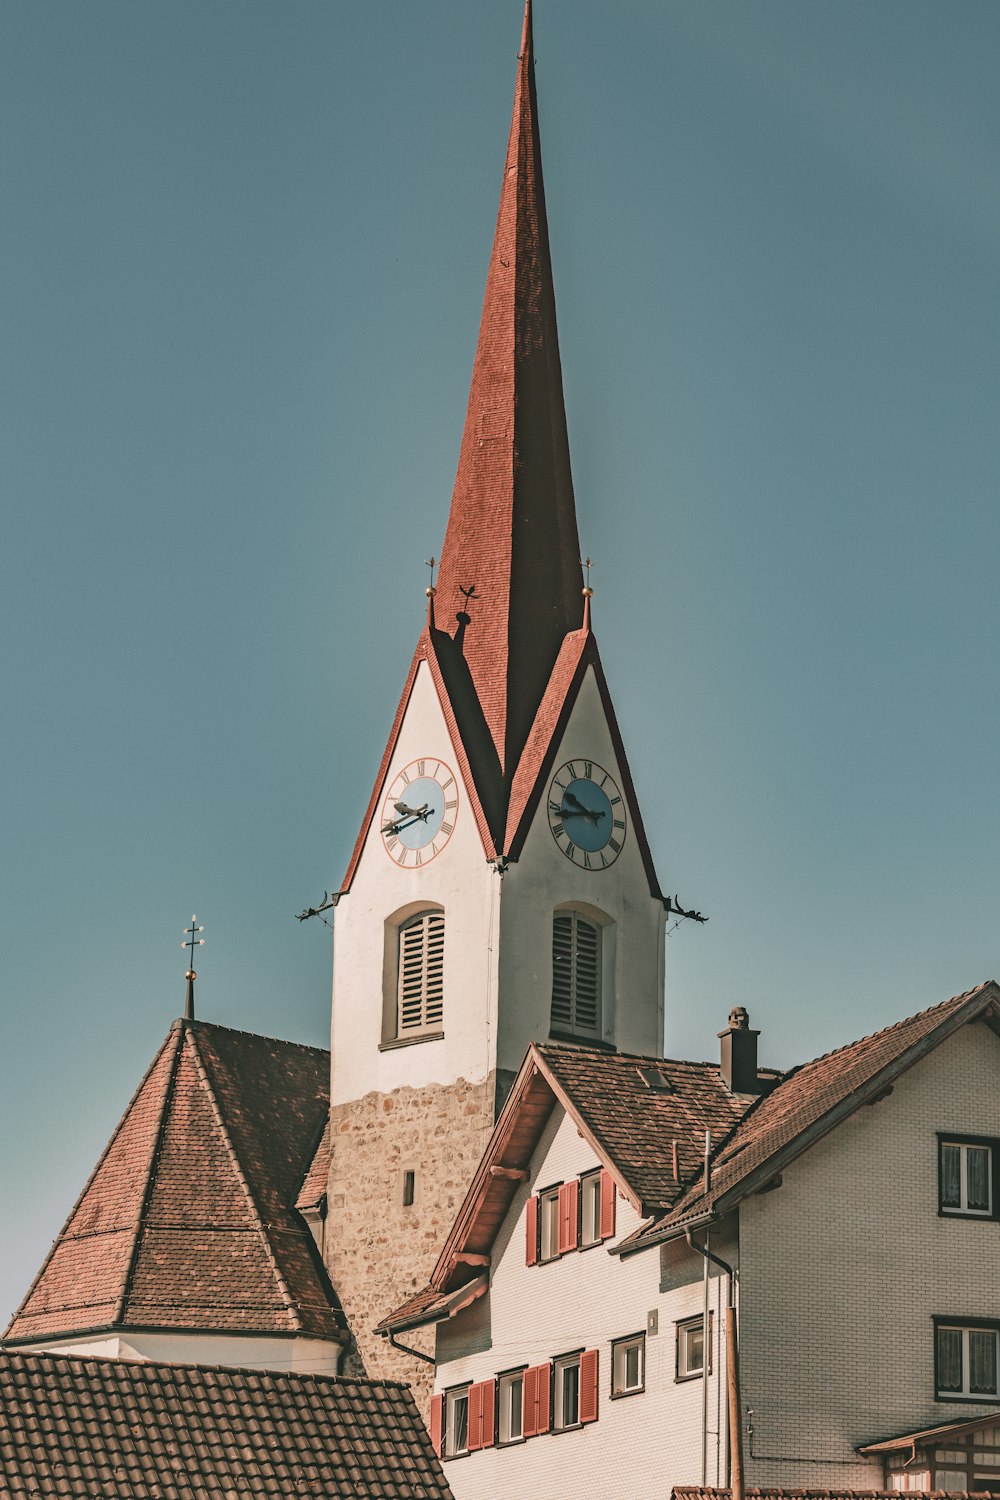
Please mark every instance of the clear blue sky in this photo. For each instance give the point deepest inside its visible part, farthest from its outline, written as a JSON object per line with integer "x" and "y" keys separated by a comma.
{"x": 242, "y": 254}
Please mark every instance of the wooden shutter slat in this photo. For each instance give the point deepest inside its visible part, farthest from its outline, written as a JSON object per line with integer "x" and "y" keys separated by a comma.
{"x": 590, "y": 1362}
{"x": 531, "y": 1231}
{"x": 437, "y": 1424}
{"x": 607, "y": 1205}
{"x": 528, "y": 1403}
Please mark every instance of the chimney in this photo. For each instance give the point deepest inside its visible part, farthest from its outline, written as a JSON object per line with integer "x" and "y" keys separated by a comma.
{"x": 739, "y": 1053}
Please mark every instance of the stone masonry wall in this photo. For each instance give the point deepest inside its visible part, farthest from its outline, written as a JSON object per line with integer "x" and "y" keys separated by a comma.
{"x": 379, "y": 1251}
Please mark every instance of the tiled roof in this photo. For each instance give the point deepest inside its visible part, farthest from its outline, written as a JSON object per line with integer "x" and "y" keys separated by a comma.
{"x": 188, "y": 1218}
{"x": 313, "y": 1189}
{"x": 701, "y": 1492}
{"x": 89, "y": 1429}
{"x": 811, "y": 1099}
{"x": 637, "y": 1126}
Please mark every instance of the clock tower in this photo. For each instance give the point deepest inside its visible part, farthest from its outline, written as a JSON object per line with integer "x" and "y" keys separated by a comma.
{"x": 501, "y": 889}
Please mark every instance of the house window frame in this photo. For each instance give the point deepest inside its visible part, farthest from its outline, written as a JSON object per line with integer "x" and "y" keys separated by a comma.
{"x": 619, "y": 1356}
{"x": 590, "y": 1188}
{"x": 548, "y": 1224}
{"x": 506, "y": 1381}
{"x": 682, "y": 1329}
{"x": 393, "y": 1033}
{"x": 562, "y": 1365}
{"x": 452, "y": 1398}
{"x": 964, "y": 1142}
{"x": 966, "y": 1326}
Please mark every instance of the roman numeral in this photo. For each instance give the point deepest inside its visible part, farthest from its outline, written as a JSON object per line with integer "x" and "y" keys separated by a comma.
{"x": 404, "y": 778}
{"x": 420, "y": 857}
{"x": 558, "y": 830}
{"x": 448, "y": 783}
{"x": 588, "y": 769}
{"x": 615, "y": 801}
{"x": 586, "y": 861}
{"x": 615, "y": 845}
{"x": 571, "y": 768}
{"x": 434, "y": 850}
{"x": 555, "y": 807}
{"x": 421, "y": 767}
{"x": 604, "y": 862}
{"x": 446, "y": 828}
{"x": 605, "y": 778}
{"x": 450, "y": 806}
{"x": 619, "y": 823}
{"x": 391, "y": 842}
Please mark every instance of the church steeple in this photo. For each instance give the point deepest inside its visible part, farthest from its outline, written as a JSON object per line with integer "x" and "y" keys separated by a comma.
{"x": 512, "y": 532}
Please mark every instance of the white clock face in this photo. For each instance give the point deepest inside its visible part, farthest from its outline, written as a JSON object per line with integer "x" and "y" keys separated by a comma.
{"x": 419, "y": 811}
{"x": 587, "y": 814}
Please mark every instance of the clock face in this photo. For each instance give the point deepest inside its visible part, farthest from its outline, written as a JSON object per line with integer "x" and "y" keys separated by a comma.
{"x": 418, "y": 814}
{"x": 587, "y": 814}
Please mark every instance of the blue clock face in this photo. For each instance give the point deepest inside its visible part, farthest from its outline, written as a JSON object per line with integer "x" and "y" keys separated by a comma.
{"x": 587, "y": 814}
{"x": 418, "y": 815}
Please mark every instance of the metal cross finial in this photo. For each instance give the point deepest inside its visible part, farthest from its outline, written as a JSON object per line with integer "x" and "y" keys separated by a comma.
{"x": 586, "y": 563}
{"x": 192, "y": 941}
{"x": 431, "y": 562}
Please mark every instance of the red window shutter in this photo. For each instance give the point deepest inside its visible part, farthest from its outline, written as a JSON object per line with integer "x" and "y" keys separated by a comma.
{"x": 543, "y": 1398}
{"x": 437, "y": 1423}
{"x": 528, "y": 1403}
{"x": 569, "y": 1215}
{"x": 475, "y": 1417}
{"x": 589, "y": 1377}
{"x": 489, "y": 1389}
{"x": 607, "y": 1205}
{"x": 536, "y": 1400}
{"x": 531, "y": 1231}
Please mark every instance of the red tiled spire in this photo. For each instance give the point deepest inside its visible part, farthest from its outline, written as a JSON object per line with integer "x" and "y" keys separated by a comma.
{"x": 512, "y": 529}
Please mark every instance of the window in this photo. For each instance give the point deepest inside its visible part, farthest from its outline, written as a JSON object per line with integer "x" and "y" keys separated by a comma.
{"x": 548, "y": 1224}
{"x": 409, "y": 1188}
{"x": 628, "y": 1365}
{"x": 966, "y": 1170}
{"x": 965, "y": 1360}
{"x": 566, "y": 1406}
{"x": 420, "y": 974}
{"x": 590, "y": 1209}
{"x": 456, "y": 1422}
{"x": 512, "y": 1407}
{"x": 574, "y": 1213}
{"x": 691, "y": 1348}
{"x": 576, "y": 975}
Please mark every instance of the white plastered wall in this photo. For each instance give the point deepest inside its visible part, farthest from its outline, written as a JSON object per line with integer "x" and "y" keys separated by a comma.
{"x": 461, "y": 881}
{"x": 584, "y": 1300}
{"x": 305, "y": 1356}
{"x": 845, "y": 1266}
{"x": 543, "y": 879}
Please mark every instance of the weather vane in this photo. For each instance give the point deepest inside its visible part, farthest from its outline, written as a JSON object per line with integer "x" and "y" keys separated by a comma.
{"x": 431, "y": 562}
{"x": 586, "y": 563}
{"x": 192, "y": 941}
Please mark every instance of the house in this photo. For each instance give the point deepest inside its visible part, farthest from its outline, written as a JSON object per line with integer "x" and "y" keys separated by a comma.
{"x": 94, "y": 1429}
{"x": 631, "y": 1216}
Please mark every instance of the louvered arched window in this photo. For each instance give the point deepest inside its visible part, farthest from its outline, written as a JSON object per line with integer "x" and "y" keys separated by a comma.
{"x": 420, "y": 984}
{"x": 576, "y": 975}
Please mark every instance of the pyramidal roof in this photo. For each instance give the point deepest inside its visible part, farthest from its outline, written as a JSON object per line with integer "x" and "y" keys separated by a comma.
{"x": 512, "y": 532}
{"x": 188, "y": 1219}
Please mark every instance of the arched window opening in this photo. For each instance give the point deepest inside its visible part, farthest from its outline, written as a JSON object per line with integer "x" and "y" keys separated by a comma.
{"x": 420, "y": 982}
{"x": 576, "y": 975}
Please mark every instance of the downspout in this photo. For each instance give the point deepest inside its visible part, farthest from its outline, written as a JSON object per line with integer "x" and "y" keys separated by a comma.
{"x": 428, "y": 1359}
{"x": 736, "y": 1468}
{"x": 706, "y": 1345}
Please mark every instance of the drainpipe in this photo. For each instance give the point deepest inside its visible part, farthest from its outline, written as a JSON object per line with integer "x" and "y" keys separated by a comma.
{"x": 705, "y": 1324}
{"x": 736, "y": 1468}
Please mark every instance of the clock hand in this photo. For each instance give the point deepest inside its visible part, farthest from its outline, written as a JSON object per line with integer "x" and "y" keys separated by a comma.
{"x": 579, "y": 810}
{"x": 412, "y": 812}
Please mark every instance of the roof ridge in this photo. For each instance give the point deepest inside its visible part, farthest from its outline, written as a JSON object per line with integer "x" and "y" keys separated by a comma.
{"x": 258, "y": 1036}
{"x": 258, "y": 1218}
{"x": 43, "y": 1268}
